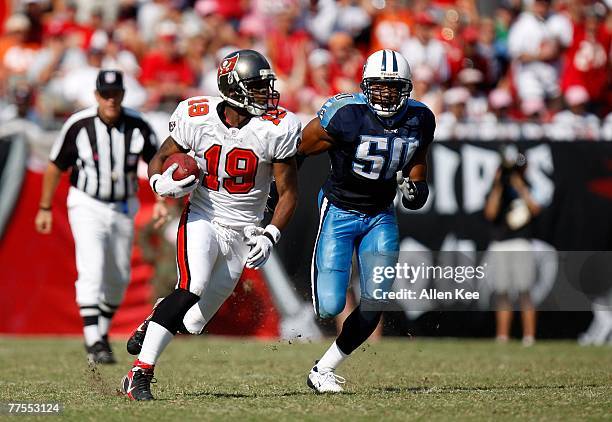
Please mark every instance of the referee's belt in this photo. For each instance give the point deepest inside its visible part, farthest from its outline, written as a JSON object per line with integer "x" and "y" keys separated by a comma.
{"x": 119, "y": 205}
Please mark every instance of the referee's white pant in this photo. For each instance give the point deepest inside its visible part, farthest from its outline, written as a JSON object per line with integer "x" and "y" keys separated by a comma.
{"x": 103, "y": 234}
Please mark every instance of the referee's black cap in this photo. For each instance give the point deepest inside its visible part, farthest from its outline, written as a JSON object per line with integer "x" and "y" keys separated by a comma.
{"x": 109, "y": 80}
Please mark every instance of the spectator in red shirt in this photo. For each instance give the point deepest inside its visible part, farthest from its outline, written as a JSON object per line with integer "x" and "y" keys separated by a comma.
{"x": 286, "y": 42}
{"x": 63, "y": 19}
{"x": 472, "y": 56}
{"x": 449, "y": 34}
{"x": 347, "y": 63}
{"x": 586, "y": 61}
{"x": 391, "y": 27}
{"x": 165, "y": 73}
{"x": 287, "y": 48}
{"x": 319, "y": 87}
{"x": 34, "y": 9}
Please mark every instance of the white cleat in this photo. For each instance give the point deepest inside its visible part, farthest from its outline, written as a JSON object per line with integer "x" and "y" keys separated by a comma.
{"x": 326, "y": 382}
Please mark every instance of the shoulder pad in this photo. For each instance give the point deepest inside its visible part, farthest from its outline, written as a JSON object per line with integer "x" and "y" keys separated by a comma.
{"x": 415, "y": 103}
{"x": 196, "y": 110}
{"x": 281, "y": 118}
{"x": 335, "y": 103}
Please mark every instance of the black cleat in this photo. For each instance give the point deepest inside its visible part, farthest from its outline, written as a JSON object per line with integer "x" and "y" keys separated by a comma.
{"x": 137, "y": 383}
{"x": 107, "y": 348}
{"x": 100, "y": 352}
{"x": 134, "y": 343}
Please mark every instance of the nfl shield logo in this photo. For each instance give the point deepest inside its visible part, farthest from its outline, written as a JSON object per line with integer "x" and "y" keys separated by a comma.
{"x": 110, "y": 77}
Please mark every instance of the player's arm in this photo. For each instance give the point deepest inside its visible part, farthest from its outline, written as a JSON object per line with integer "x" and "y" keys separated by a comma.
{"x": 416, "y": 170}
{"x": 63, "y": 155}
{"x": 412, "y": 180}
{"x": 517, "y": 182}
{"x": 162, "y": 183}
{"x": 285, "y": 175}
{"x": 315, "y": 139}
{"x": 262, "y": 242}
{"x": 166, "y": 149}
{"x": 44, "y": 217}
{"x": 161, "y": 215}
{"x": 493, "y": 203}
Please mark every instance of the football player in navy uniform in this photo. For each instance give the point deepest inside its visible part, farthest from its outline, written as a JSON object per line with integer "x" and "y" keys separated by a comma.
{"x": 377, "y": 141}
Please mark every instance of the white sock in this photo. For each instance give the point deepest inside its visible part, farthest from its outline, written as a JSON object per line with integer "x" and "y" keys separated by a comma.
{"x": 331, "y": 359}
{"x": 91, "y": 334}
{"x": 156, "y": 340}
{"x": 104, "y": 325}
{"x": 106, "y": 316}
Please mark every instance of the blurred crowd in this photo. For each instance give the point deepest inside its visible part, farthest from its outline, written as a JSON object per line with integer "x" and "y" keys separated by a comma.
{"x": 506, "y": 69}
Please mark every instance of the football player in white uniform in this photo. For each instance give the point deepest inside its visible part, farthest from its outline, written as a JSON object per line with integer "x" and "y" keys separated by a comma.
{"x": 241, "y": 141}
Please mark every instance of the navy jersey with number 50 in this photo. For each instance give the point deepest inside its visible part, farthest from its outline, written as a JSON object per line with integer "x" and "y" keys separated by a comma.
{"x": 367, "y": 153}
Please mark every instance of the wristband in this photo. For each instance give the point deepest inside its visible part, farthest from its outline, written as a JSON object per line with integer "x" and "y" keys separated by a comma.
{"x": 153, "y": 180}
{"x": 272, "y": 233}
{"x": 40, "y": 207}
{"x": 420, "y": 196}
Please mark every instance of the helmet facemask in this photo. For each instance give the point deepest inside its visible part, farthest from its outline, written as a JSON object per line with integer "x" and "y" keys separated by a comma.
{"x": 256, "y": 95}
{"x": 386, "y": 96}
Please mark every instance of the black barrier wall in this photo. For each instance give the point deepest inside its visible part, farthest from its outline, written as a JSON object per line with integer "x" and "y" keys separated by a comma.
{"x": 572, "y": 182}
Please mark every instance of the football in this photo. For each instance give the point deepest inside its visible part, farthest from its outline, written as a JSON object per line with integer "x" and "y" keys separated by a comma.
{"x": 187, "y": 166}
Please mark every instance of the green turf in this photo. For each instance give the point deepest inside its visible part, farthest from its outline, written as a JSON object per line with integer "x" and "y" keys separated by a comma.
{"x": 219, "y": 379}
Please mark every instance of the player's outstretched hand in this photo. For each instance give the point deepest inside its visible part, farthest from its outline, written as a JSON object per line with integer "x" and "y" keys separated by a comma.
{"x": 164, "y": 185}
{"x": 261, "y": 242}
{"x": 43, "y": 221}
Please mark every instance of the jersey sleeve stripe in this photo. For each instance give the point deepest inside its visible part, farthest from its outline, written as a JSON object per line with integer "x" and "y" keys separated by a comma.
{"x": 72, "y": 120}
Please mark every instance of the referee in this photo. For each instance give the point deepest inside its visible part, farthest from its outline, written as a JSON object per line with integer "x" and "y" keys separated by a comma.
{"x": 101, "y": 145}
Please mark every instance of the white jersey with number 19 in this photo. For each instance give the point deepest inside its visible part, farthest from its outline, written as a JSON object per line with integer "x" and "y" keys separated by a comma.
{"x": 236, "y": 163}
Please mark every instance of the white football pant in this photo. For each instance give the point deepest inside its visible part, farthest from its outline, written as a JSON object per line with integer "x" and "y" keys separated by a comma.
{"x": 103, "y": 233}
{"x": 210, "y": 260}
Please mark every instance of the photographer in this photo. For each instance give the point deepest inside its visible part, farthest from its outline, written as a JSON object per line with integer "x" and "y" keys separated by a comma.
{"x": 511, "y": 208}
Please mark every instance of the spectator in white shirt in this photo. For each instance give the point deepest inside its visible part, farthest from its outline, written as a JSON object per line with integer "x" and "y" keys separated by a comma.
{"x": 453, "y": 124}
{"x": 534, "y": 46}
{"x": 477, "y": 104}
{"x": 606, "y": 128}
{"x": 534, "y": 110}
{"x": 424, "y": 89}
{"x": 423, "y": 49}
{"x": 575, "y": 123}
{"x": 499, "y": 124}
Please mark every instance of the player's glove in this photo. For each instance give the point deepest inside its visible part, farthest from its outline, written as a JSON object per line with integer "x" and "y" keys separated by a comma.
{"x": 414, "y": 194}
{"x": 261, "y": 242}
{"x": 164, "y": 185}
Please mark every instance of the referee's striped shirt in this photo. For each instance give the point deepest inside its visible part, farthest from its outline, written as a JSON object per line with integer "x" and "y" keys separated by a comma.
{"x": 104, "y": 158}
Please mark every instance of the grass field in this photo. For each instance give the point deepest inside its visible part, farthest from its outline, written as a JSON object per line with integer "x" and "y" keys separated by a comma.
{"x": 212, "y": 379}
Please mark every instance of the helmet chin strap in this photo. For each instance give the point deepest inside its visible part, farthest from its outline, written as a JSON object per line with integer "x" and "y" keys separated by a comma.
{"x": 255, "y": 111}
{"x": 388, "y": 113}
{"x": 389, "y": 118}
{"x": 248, "y": 107}
{"x": 383, "y": 113}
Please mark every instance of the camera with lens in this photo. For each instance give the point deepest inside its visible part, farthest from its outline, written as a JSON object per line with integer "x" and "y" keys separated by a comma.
{"x": 512, "y": 162}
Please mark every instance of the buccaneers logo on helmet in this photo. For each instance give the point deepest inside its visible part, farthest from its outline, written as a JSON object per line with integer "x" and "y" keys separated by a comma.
{"x": 227, "y": 65}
